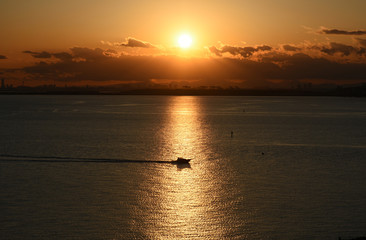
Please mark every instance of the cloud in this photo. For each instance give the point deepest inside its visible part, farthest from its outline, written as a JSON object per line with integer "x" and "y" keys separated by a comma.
{"x": 290, "y": 48}
{"x": 302, "y": 66}
{"x": 88, "y": 54}
{"x": 77, "y": 54}
{"x": 64, "y": 56}
{"x": 342, "y": 32}
{"x": 145, "y": 68}
{"x": 215, "y": 51}
{"x": 242, "y": 51}
{"x": 3, "y": 57}
{"x": 43, "y": 54}
{"x": 344, "y": 50}
{"x": 132, "y": 42}
{"x": 97, "y": 65}
{"x": 263, "y": 48}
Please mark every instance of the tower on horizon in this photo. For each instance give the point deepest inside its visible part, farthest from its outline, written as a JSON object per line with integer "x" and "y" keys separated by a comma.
{"x": 2, "y": 83}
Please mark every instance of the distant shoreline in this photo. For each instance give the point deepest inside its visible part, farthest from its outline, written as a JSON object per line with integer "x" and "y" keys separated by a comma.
{"x": 358, "y": 91}
{"x": 340, "y": 92}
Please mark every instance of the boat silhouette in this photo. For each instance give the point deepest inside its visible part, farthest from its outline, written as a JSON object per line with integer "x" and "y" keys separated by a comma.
{"x": 181, "y": 160}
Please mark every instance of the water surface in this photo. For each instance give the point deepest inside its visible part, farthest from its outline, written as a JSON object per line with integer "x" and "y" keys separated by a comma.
{"x": 93, "y": 167}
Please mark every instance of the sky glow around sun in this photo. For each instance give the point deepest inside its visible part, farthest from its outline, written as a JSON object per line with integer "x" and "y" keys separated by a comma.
{"x": 248, "y": 44}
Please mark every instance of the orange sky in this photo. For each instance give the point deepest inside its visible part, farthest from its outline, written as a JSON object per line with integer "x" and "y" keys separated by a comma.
{"x": 330, "y": 33}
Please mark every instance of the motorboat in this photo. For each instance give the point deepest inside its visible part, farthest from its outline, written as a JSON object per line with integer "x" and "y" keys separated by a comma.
{"x": 181, "y": 160}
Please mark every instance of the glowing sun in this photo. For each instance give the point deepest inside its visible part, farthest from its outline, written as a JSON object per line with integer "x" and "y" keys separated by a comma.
{"x": 185, "y": 41}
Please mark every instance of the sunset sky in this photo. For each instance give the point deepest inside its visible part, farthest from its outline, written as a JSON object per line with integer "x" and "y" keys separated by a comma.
{"x": 241, "y": 43}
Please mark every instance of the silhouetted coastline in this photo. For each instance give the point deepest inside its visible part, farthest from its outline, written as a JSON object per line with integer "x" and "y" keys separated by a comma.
{"x": 354, "y": 91}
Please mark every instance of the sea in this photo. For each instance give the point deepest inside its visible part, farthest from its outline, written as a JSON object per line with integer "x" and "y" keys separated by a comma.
{"x": 100, "y": 167}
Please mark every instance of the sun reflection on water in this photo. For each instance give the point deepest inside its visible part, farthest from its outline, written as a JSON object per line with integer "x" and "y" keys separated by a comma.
{"x": 188, "y": 205}
{"x": 195, "y": 201}
{"x": 185, "y": 132}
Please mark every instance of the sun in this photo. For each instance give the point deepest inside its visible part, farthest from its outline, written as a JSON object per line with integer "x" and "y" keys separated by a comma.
{"x": 185, "y": 41}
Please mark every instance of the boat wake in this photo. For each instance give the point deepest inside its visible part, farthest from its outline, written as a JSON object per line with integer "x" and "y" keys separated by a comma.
{"x": 57, "y": 159}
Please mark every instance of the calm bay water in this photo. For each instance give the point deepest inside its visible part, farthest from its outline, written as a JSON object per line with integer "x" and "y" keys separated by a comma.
{"x": 293, "y": 169}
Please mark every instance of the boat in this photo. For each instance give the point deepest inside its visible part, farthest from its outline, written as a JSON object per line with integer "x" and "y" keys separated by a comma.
{"x": 181, "y": 160}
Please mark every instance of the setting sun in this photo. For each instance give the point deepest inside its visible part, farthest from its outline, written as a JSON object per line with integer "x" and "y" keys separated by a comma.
{"x": 185, "y": 41}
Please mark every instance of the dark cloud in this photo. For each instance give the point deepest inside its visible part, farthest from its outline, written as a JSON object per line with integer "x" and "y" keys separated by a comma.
{"x": 342, "y": 32}
{"x": 43, "y": 54}
{"x": 132, "y": 42}
{"x": 145, "y": 68}
{"x": 96, "y": 65}
{"x": 3, "y": 57}
{"x": 63, "y": 56}
{"x": 361, "y": 41}
{"x": 110, "y": 52}
{"x": 290, "y": 48}
{"x": 301, "y": 66}
{"x": 215, "y": 51}
{"x": 264, "y": 48}
{"x": 79, "y": 53}
{"x": 344, "y": 50}
{"x": 88, "y": 54}
{"x": 242, "y": 51}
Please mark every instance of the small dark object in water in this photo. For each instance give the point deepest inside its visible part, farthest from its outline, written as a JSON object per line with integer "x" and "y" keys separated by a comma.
{"x": 262, "y": 153}
{"x": 181, "y": 160}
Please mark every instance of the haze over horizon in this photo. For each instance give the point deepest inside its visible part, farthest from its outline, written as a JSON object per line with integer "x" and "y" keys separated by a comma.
{"x": 249, "y": 44}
